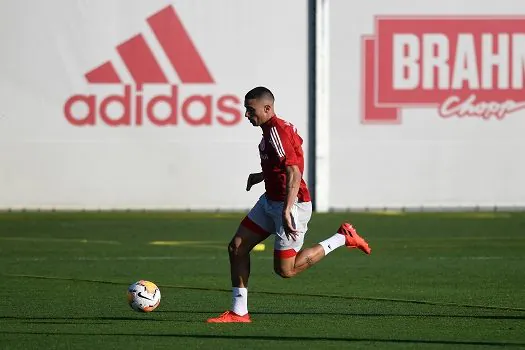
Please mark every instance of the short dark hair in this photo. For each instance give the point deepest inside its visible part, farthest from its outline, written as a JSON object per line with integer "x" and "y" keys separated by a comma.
{"x": 258, "y": 92}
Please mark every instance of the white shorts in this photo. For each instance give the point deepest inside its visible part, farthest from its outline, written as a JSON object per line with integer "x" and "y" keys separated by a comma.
{"x": 265, "y": 218}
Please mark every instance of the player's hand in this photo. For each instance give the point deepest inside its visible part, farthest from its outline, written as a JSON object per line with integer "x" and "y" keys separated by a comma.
{"x": 289, "y": 226}
{"x": 253, "y": 179}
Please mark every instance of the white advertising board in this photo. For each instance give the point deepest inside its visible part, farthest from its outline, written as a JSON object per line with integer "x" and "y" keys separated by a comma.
{"x": 426, "y": 104}
{"x": 139, "y": 104}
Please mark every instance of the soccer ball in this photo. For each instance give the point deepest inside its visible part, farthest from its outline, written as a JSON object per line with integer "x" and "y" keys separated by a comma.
{"x": 143, "y": 296}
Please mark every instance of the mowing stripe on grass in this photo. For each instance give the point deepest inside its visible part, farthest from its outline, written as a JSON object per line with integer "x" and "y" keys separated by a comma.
{"x": 200, "y": 244}
{"x": 279, "y": 338}
{"x": 190, "y": 244}
{"x": 255, "y": 255}
{"x": 332, "y": 296}
{"x": 56, "y": 240}
{"x": 123, "y": 258}
{"x": 460, "y": 238}
{"x": 445, "y": 214}
{"x": 183, "y": 242}
{"x": 471, "y": 258}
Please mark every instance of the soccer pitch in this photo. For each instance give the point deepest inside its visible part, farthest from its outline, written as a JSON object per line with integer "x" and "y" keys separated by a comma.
{"x": 433, "y": 281}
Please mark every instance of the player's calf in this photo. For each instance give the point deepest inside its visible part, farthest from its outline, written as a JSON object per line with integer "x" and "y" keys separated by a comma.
{"x": 284, "y": 273}
{"x": 305, "y": 258}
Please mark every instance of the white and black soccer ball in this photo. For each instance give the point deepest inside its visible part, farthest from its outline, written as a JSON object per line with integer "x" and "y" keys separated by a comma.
{"x": 143, "y": 296}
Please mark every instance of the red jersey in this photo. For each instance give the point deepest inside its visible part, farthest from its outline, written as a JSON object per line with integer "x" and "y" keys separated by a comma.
{"x": 281, "y": 146}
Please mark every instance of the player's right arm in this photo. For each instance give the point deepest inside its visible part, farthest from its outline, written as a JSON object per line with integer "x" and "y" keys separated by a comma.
{"x": 254, "y": 179}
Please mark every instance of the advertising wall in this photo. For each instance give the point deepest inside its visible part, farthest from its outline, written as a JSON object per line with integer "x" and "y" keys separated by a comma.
{"x": 139, "y": 104}
{"x": 426, "y": 104}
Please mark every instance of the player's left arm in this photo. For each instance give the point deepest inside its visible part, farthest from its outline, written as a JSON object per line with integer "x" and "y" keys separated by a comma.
{"x": 283, "y": 143}
{"x": 293, "y": 181}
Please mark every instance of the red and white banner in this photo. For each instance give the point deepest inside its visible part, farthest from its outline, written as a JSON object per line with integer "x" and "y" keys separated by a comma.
{"x": 465, "y": 66}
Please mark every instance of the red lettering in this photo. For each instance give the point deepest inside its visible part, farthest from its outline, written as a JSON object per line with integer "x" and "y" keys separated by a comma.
{"x": 88, "y": 100}
{"x": 138, "y": 106}
{"x": 124, "y": 101}
{"x": 171, "y": 101}
{"x": 229, "y": 104}
{"x": 206, "y": 116}
{"x": 226, "y": 110}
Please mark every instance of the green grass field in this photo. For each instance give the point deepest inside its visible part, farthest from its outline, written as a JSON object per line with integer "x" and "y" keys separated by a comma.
{"x": 433, "y": 281}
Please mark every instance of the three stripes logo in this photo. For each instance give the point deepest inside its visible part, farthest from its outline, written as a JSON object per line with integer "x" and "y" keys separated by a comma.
{"x": 133, "y": 107}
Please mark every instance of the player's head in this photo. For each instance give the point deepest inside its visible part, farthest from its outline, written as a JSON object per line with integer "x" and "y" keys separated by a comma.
{"x": 259, "y": 105}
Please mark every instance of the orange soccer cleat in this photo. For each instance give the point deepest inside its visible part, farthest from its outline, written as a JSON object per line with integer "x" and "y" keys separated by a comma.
{"x": 353, "y": 240}
{"x": 230, "y": 317}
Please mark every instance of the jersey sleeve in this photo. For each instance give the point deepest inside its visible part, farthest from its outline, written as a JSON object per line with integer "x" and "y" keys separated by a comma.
{"x": 282, "y": 141}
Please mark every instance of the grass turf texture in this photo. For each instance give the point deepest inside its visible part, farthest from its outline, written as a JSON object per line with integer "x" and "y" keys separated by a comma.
{"x": 433, "y": 281}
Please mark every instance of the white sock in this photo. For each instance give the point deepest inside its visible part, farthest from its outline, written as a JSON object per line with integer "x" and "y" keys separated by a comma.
{"x": 332, "y": 243}
{"x": 240, "y": 301}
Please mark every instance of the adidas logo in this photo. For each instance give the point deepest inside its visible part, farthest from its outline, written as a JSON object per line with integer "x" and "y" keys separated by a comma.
{"x": 141, "y": 102}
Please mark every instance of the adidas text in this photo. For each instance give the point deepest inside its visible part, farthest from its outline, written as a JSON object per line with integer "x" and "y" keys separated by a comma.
{"x": 137, "y": 109}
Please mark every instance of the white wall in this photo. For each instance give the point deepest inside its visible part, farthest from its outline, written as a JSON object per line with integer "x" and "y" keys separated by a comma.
{"x": 422, "y": 159}
{"x": 396, "y": 150}
{"x": 48, "y": 47}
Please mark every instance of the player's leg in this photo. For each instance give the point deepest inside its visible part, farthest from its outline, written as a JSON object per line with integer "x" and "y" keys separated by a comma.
{"x": 248, "y": 235}
{"x": 290, "y": 259}
{"x": 288, "y": 267}
{"x": 254, "y": 228}
{"x": 351, "y": 240}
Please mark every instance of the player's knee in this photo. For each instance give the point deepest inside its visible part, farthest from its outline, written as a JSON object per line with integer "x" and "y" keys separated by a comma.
{"x": 284, "y": 273}
{"x": 234, "y": 248}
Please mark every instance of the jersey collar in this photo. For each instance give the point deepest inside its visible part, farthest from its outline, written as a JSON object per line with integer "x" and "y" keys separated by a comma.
{"x": 269, "y": 123}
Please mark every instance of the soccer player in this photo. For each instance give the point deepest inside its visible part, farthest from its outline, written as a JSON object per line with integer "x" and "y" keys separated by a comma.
{"x": 284, "y": 210}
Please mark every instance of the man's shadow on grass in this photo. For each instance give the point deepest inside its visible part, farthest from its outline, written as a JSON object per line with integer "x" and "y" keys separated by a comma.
{"x": 135, "y": 316}
{"x": 353, "y": 314}
{"x": 267, "y": 338}
{"x": 87, "y": 319}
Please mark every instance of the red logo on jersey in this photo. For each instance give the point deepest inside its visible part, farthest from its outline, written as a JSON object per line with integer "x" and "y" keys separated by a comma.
{"x": 464, "y": 66}
{"x": 144, "y": 68}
